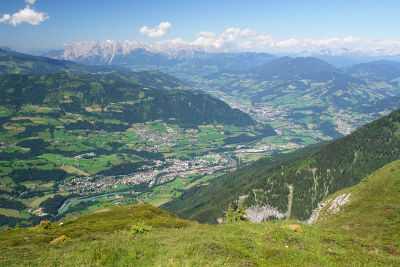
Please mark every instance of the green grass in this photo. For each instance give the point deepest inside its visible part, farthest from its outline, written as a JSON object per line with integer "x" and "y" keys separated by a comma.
{"x": 159, "y": 199}
{"x": 173, "y": 189}
{"x": 106, "y": 238}
{"x": 10, "y": 212}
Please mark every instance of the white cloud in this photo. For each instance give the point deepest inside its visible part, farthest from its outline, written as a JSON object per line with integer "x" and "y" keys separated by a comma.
{"x": 31, "y": 2}
{"x": 288, "y": 43}
{"x": 156, "y": 32}
{"x": 26, "y": 15}
{"x": 230, "y": 38}
{"x": 263, "y": 40}
{"x": 248, "y": 32}
{"x": 5, "y": 18}
{"x": 206, "y": 34}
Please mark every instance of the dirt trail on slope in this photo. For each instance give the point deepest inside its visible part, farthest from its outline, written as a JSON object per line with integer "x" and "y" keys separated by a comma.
{"x": 290, "y": 199}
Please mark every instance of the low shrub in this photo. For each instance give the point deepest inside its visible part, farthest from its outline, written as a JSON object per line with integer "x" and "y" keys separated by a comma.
{"x": 59, "y": 239}
{"x": 293, "y": 227}
{"x": 140, "y": 228}
{"x": 231, "y": 215}
{"x": 46, "y": 224}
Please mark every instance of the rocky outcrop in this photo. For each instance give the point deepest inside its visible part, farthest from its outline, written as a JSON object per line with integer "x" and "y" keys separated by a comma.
{"x": 329, "y": 207}
{"x": 262, "y": 213}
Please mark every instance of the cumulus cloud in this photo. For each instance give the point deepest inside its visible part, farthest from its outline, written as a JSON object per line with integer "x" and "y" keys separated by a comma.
{"x": 156, "y": 32}
{"x": 248, "y": 32}
{"x": 288, "y": 43}
{"x": 26, "y": 15}
{"x": 5, "y": 18}
{"x": 31, "y": 2}
{"x": 231, "y": 37}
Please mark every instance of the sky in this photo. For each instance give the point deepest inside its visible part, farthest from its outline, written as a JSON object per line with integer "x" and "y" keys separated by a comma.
{"x": 238, "y": 24}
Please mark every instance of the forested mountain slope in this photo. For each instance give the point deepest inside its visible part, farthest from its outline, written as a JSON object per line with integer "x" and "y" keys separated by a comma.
{"x": 115, "y": 99}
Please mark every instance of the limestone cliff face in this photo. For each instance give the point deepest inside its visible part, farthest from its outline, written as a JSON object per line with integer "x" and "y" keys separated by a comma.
{"x": 329, "y": 207}
{"x": 263, "y": 213}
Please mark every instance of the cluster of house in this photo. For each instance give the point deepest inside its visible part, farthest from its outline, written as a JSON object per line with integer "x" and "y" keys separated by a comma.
{"x": 157, "y": 137}
{"x": 38, "y": 212}
{"x": 4, "y": 145}
{"x": 259, "y": 149}
{"x": 343, "y": 128}
{"x": 85, "y": 155}
{"x": 260, "y": 112}
{"x": 160, "y": 172}
{"x": 166, "y": 139}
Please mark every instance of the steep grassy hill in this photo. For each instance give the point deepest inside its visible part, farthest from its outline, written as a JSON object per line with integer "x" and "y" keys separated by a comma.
{"x": 371, "y": 210}
{"x": 294, "y": 188}
{"x": 142, "y": 235}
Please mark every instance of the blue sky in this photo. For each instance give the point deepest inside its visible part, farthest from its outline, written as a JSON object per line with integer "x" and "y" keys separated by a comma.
{"x": 89, "y": 20}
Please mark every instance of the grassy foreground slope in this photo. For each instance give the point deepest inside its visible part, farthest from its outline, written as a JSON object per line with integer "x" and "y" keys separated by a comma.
{"x": 373, "y": 210}
{"x": 142, "y": 235}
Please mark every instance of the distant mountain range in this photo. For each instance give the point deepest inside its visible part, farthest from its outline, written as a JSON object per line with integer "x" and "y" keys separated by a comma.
{"x": 109, "y": 49}
{"x": 161, "y": 54}
{"x": 313, "y": 79}
{"x": 288, "y": 68}
{"x": 382, "y": 70}
{"x": 173, "y": 51}
{"x": 311, "y": 93}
